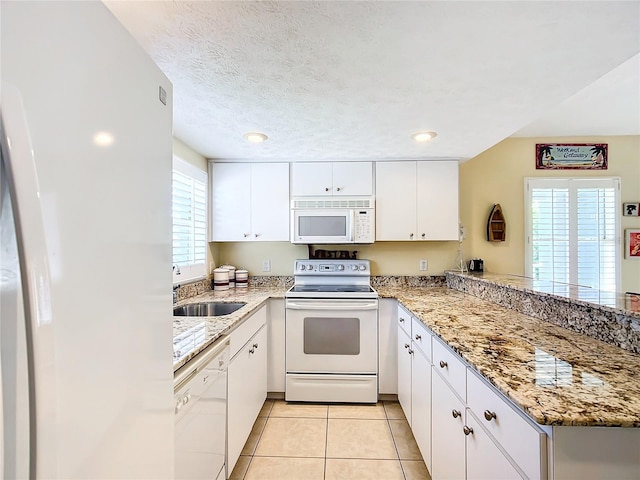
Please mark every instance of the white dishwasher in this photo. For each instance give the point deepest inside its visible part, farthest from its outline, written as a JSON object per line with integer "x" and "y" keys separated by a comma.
{"x": 200, "y": 394}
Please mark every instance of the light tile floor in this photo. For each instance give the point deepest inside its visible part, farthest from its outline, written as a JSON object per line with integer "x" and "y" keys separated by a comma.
{"x": 294, "y": 441}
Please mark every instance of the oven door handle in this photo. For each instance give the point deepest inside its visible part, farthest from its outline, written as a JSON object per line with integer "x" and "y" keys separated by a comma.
{"x": 331, "y": 305}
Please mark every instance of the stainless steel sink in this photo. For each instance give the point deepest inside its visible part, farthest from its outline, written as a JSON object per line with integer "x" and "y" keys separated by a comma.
{"x": 207, "y": 309}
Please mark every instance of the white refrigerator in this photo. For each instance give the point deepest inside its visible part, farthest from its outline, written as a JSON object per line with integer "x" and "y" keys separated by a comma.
{"x": 85, "y": 307}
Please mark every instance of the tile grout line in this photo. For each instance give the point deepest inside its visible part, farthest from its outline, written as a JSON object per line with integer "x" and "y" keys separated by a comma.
{"x": 395, "y": 445}
{"x": 326, "y": 446}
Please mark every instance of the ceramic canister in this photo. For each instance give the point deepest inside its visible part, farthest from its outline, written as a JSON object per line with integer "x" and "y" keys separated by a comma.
{"x": 221, "y": 279}
{"x": 242, "y": 278}
{"x": 232, "y": 274}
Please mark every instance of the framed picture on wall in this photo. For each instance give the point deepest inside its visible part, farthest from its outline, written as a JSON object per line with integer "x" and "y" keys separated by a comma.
{"x": 631, "y": 209}
{"x": 572, "y": 156}
{"x": 632, "y": 243}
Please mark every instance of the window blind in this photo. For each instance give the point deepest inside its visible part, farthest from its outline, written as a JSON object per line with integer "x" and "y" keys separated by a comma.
{"x": 189, "y": 213}
{"x": 572, "y": 231}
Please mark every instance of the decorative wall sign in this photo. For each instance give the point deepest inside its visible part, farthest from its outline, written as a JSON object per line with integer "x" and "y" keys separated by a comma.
{"x": 572, "y": 156}
{"x": 632, "y": 243}
{"x": 631, "y": 209}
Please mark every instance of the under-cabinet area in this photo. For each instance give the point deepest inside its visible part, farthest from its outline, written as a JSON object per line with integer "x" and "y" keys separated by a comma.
{"x": 483, "y": 393}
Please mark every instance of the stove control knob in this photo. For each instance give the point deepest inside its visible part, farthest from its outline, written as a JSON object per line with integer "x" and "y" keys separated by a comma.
{"x": 301, "y": 267}
{"x": 354, "y": 267}
{"x": 340, "y": 267}
{"x": 309, "y": 267}
{"x": 362, "y": 267}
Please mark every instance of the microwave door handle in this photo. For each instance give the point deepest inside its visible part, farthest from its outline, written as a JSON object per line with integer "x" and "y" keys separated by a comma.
{"x": 352, "y": 226}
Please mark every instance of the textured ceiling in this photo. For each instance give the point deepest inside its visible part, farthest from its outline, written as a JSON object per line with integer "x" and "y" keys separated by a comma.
{"x": 353, "y": 80}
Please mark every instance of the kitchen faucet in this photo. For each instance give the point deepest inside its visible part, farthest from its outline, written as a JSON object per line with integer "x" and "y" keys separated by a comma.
{"x": 176, "y": 269}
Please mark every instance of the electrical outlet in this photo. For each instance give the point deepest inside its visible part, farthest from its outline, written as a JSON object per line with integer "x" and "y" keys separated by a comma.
{"x": 423, "y": 265}
{"x": 266, "y": 265}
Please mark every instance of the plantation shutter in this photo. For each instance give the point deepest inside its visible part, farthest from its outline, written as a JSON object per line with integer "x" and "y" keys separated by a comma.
{"x": 189, "y": 213}
{"x": 572, "y": 231}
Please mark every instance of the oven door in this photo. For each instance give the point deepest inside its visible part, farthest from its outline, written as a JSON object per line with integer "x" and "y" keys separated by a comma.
{"x": 332, "y": 336}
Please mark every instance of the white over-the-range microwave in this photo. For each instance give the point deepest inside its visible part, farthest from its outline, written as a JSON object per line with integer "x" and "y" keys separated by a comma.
{"x": 319, "y": 220}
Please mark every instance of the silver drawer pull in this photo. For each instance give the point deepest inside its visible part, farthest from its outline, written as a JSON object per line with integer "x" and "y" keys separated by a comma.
{"x": 401, "y": 320}
{"x": 253, "y": 350}
{"x": 255, "y": 345}
{"x": 410, "y": 352}
{"x": 455, "y": 413}
{"x": 489, "y": 415}
{"x": 443, "y": 364}
{"x": 406, "y": 345}
{"x": 418, "y": 337}
{"x": 467, "y": 430}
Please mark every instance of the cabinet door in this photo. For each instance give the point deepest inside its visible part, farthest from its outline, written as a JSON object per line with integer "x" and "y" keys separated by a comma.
{"x": 312, "y": 179}
{"x": 353, "y": 178}
{"x": 421, "y": 404}
{"x": 404, "y": 373}
{"x": 448, "y": 439}
{"x": 396, "y": 201}
{"x": 437, "y": 200}
{"x": 230, "y": 202}
{"x": 270, "y": 202}
{"x": 247, "y": 391}
{"x": 484, "y": 460}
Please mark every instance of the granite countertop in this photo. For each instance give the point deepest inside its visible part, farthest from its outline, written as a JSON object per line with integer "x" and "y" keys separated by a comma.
{"x": 557, "y": 376}
{"x": 191, "y": 335}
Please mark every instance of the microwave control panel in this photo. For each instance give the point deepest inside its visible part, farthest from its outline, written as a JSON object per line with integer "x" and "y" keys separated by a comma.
{"x": 364, "y": 228}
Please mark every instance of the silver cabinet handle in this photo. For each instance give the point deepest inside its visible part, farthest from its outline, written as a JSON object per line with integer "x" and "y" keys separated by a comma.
{"x": 253, "y": 350}
{"x": 401, "y": 320}
{"x": 489, "y": 415}
{"x": 411, "y": 236}
{"x": 338, "y": 189}
{"x": 424, "y": 235}
{"x": 443, "y": 364}
{"x": 455, "y": 413}
{"x": 467, "y": 430}
{"x": 255, "y": 345}
{"x": 326, "y": 189}
{"x": 257, "y": 235}
{"x": 418, "y": 337}
{"x": 406, "y": 345}
{"x": 410, "y": 352}
{"x": 245, "y": 235}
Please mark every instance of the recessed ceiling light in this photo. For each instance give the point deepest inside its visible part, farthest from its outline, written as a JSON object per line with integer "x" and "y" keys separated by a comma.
{"x": 424, "y": 136}
{"x": 255, "y": 137}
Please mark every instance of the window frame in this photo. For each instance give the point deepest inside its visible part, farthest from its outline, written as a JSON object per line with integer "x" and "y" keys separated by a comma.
{"x": 195, "y": 271}
{"x": 572, "y": 183}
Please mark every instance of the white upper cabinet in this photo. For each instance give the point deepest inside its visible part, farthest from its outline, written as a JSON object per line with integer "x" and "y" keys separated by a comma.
{"x": 332, "y": 179}
{"x": 417, "y": 200}
{"x": 249, "y": 202}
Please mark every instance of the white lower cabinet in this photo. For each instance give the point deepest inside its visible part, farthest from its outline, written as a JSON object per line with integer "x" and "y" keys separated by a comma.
{"x": 448, "y": 439}
{"x": 404, "y": 373}
{"x": 247, "y": 389}
{"x": 421, "y": 404}
{"x": 485, "y": 461}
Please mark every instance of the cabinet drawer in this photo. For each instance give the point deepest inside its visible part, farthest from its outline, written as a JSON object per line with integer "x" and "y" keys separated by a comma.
{"x": 246, "y": 330}
{"x": 404, "y": 320}
{"x": 451, "y": 367}
{"x": 520, "y": 438}
{"x": 421, "y": 337}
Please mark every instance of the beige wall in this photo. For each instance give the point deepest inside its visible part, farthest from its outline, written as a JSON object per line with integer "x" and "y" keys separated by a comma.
{"x": 497, "y": 176}
{"x": 387, "y": 258}
{"x": 189, "y": 155}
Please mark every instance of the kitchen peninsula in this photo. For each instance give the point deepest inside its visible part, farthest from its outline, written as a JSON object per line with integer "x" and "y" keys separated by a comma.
{"x": 562, "y": 379}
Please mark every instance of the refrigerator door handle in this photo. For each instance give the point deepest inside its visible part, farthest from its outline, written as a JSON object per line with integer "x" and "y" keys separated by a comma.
{"x": 22, "y": 181}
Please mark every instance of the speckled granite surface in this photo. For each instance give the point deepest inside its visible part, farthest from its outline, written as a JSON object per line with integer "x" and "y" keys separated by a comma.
{"x": 191, "y": 335}
{"x": 608, "y": 316}
{"x": 557, "y": 376}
